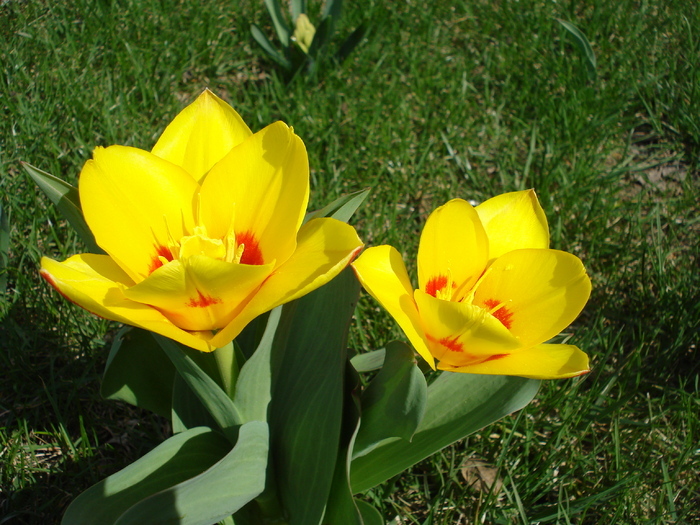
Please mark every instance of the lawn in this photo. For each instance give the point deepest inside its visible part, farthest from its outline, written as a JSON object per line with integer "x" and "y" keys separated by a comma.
{"x": 443, "y": 99}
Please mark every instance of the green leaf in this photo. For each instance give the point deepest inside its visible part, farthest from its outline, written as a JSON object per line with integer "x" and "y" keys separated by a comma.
{"x": 369, "y": 361}
{"x": 267, "y": 46}
{"x": 307, "y": 400}
{"x": 216, "y": 493}
{"x": 458, "y": 405}
{"x": 584, "y": 47}
{"x": 253, "y": 390}
{"x": 65, "y": 197}
{"x": 4, "y": 248}
{"x": 324, "y": 33}
{"x": 351, "y": 42}
{"x": 332, "y": 8}
{"x": 187, "y": 410}
{"x": 138, "y": 372}
{"x": 370, "y": 515}
{"x": 394, "y": 402}
{"x": 275, "y": 10}
{"x": 175, "y": 460}
{"x": 214, "y": 399}
{"x": 297, "y": 7}
{"x": 343, "y": 208}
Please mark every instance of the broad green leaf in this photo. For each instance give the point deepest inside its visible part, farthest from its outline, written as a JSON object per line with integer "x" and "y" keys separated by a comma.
{"x": 323, "y": 35}
{"x": 307, "y": 400}
{"x": 65, "y": 197}
{"x": 214, "y": 399}
{"x": 458, "y": 405}
{"x": 177, "y": 459}
{"x": 270, "y": 49}
{"x": 341, "y": 506}
{"x": 351, "y": 42}
{"x": 394, "y": 402}
{"x": 332, "y": 8}
{"x": 297, "y": 7}
{"x": 187, "y": 410}
{"x": 214, "y": 494}
{"x": 253, "y": 389}
{"x": 584, "y": 47}
{"x": 343, "y": 208}
{"x": 369, "y": 361}
{"x": 138, "y": 372}
{"x": 4, "y": 248}
{"x": 275, "y": 10}
{"x": 370, "y": 515}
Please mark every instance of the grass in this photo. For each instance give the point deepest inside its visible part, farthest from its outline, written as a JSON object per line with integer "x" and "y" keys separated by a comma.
{"x": 444, "y": 99}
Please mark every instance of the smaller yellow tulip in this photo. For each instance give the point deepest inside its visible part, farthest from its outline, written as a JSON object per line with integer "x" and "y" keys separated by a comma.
{"x": 491, "y": 292}
{"x": 204, "y": 233}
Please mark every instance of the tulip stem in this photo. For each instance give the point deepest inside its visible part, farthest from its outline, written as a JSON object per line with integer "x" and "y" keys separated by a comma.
{"x": 228, "y": 368}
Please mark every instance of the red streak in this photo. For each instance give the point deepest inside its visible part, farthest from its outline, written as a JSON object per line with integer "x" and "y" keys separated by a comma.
{"x": 251, "y": 252}
{"x": 435, "y": 284}
{"x": 451, "y": 343}
{"x": 203, "y": 301}
{"x": 161, "y": 251}
{"x": 502, "y": 314}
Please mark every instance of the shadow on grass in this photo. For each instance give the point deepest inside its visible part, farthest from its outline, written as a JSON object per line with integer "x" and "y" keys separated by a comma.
{"x": 58, "y": 435}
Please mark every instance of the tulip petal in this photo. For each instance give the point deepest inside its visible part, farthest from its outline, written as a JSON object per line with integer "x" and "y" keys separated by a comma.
{"x": 538, "y": 362}
{"x": 198, "y": 292}
{"x": 453, "y": 250}
{"x": 262, "y": 188}
{"x": 201, "y": 135}
{"x": 382, "y": 272}
{"x": 95, "y": 282}
{"x": 135, "y": 203}
{"x": 324, "y": 248}
{"x": 514, "y": 221}
{"x": 542, "y": 292}
{"x": 461, "y": 333}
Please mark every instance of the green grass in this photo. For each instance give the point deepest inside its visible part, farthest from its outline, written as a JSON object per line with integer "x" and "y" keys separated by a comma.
{"x": 445, "y": 99}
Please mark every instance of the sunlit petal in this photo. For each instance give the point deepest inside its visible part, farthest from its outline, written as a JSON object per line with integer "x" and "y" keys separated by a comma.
{"x": 95, "y": 282}
{"x": 134, "y": 203}
{"x": 382, "y": 273}
{"x": 199, "y": 293}
{"x": 262, "y": 187}
{"x": 460, "y": 333}
{"x": 514, "y": 221}
{"x": 542, "y": 292}
{"x": 537, "y": 362}
{"x": 201, "y": 135}
{"x": 453, "y": 250}
{"x": 324, "y": 248}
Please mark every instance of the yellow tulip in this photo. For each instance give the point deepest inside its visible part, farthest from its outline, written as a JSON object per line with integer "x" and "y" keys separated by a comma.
{"x": 204, "y": 233}
{"x": 491, "y": 292}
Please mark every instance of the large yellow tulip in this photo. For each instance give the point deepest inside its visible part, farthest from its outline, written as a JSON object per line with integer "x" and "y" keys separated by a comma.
{"x": 203, "y": 233}
{"x": 491, "y": 292}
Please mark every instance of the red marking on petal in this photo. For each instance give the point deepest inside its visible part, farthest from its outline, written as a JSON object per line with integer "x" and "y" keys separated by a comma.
{"x": 161, "y": 251}
{"x": 435, "y": 284}
{"x": 451, "y": 343}
{"x": 502, "y": 314}
{"x": 251, "y": 252}
{"x": 496, "y": 356}
{"x": 203, "y": 301}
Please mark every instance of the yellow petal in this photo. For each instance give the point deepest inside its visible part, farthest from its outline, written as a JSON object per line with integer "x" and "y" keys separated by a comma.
{"x": 134, "y": 203}
{"x": 538, "y": 362}
{"x": 542, "y": 292}
{"x": 325, "y": 247}
{"x": 201, "y": 135}
{"x": 95, "y": 282}
{"x": 453, "y": 250}
{"x": 199, "y": 293}
{"x": 514, "y": 221}
{"x": 383, "y": 274}
{"x": 262, "y": 187}
{"x": 304, "y": 32}
{"x": 461, "y": 333}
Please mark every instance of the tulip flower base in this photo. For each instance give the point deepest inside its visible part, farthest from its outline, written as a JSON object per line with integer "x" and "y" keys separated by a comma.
{"x": 239, "y": 304}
